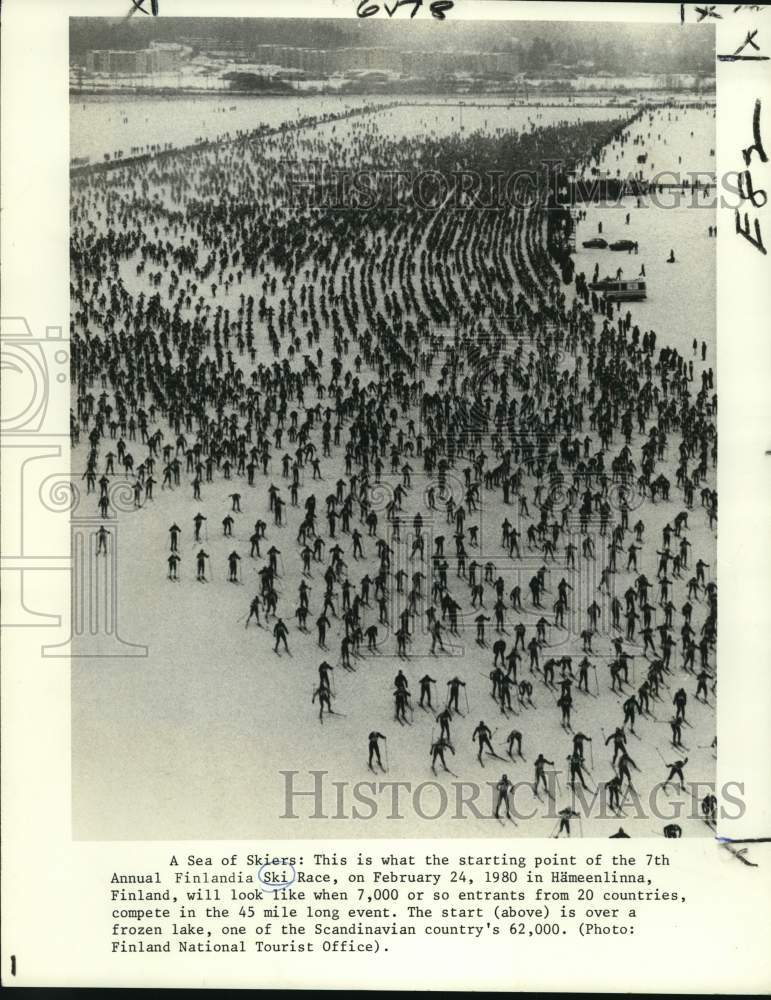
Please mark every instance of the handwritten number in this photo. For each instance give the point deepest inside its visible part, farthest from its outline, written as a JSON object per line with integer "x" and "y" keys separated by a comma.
{"x": 746, "y": 190}
{"x": 416, "y": 5}
{"x": 758, "y": 145}
{"x": 439, "y": 7}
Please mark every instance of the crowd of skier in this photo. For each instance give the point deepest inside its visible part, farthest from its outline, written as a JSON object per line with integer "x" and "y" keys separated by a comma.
{"x": 433, "y": 451}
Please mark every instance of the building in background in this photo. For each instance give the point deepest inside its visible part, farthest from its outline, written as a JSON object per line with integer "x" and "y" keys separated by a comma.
{"x": 160, "y": 57}
{"x": 327, "y": 62}
{"x": 314, "y": 63}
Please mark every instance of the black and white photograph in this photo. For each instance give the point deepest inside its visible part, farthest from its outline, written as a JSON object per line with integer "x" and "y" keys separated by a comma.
{"x": 394, "y": 399}
{"x": 361, "y": 543}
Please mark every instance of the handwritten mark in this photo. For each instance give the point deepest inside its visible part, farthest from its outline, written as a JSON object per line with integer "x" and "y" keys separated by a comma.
{"x": 139, "y": 5}
{"x": 437, "y": 8}
{"x": 747, "y": 190}
{"x": 708, "y": 12}
{"x": 749, "y": 40}
{"x": 741, "y": 852}
{"x": 271, "y": 885}
{"x": 746, "y": 840}
{"x": 757, "y": 146}
{"x": 757, "y": 242}
{"x": 736, "y": 56}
